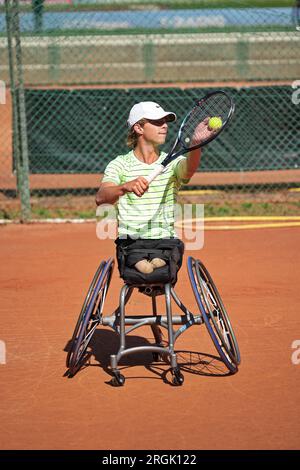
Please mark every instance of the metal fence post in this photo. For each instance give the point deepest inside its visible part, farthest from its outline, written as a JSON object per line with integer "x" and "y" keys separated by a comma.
{"x": 20, "y": 146}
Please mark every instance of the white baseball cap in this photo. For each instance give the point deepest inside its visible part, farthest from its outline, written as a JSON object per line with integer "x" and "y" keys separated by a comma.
{"x": 148, "y": 110}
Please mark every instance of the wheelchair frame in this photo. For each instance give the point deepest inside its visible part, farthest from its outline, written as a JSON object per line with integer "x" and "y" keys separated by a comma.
{"x": 211, "y": 312}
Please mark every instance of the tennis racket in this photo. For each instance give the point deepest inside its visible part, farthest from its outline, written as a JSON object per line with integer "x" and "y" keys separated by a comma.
{"x": 194, "y": 131}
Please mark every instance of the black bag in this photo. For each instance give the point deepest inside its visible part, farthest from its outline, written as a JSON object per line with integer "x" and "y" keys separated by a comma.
{"x": 130, "y": 251}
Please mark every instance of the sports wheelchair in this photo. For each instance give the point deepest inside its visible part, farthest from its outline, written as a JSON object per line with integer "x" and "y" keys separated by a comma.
{"x": 211, "y": 312}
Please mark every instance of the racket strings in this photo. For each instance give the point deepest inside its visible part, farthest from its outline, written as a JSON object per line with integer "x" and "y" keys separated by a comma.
{"x": 193, "y": 133}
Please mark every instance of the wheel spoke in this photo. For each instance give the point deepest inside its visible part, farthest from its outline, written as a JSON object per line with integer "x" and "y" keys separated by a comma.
{"x": 216, "y": 317}
{"x": 214, "y": 314}
{"x": 90, "y": 316}
{"x": 87, "y": 338}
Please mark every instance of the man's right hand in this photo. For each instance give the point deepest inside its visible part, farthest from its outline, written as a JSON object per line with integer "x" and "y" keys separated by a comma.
{"x": 137, "y": 186}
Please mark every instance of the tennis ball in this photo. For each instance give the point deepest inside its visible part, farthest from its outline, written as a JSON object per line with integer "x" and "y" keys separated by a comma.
{"x": 215, "y": 123}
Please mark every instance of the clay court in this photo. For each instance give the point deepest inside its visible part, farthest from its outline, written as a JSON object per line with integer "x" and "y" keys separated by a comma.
{"x": 46, "y": 271}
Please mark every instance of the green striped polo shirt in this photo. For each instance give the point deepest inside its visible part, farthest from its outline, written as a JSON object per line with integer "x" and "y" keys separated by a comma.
{"x": 152, "y": 215}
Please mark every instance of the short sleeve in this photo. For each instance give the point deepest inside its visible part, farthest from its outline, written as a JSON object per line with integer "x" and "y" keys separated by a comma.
{"x": 176, "y": 170}
{"x": 113, "y": 172}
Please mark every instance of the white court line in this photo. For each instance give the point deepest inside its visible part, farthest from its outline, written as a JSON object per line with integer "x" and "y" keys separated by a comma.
{"x": 173, "y": 39}
{"x": 141, "y": 65}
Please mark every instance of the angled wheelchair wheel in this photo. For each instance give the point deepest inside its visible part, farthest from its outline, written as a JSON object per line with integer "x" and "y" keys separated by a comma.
{"x": 90, "y": 316}
{"x": 214, "y": 314}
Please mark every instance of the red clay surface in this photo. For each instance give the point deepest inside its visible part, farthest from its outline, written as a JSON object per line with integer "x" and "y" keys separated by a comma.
{"x": 45, "y": 273}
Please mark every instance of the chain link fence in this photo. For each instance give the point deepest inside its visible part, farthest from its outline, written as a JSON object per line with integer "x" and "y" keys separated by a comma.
{"x": 70, "y": 71}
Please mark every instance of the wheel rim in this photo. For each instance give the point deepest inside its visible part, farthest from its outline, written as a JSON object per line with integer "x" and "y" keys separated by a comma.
{"x": 214, "y": 314}
{"x": 91, "y": 317}
{"x": 83, "y": 310}
{"x": 217, "y": 313}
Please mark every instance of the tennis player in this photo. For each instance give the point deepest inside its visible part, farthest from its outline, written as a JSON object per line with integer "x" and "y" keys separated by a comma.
{"x": 146, "y": 212}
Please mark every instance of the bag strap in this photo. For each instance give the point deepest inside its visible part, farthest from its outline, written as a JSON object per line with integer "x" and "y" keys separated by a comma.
{"x": 140, "y": 250}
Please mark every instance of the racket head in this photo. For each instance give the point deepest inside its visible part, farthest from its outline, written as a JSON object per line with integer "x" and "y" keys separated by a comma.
{"x": 215, "y": 104}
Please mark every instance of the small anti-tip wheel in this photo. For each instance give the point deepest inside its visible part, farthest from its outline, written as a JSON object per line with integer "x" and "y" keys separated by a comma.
{"x": 178, "y": 378}
{"x": 118, "y": 379}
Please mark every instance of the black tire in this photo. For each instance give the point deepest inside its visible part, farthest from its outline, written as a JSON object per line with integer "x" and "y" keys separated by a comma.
{"x": 83, "y": 310}
{"x": 118, "y": 380}
{"x": 90, "y": 316}
{"x": 214, "y": 314}
{"x": 178, "y": 377}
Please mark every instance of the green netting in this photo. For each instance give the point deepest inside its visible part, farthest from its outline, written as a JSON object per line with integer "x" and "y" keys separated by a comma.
{"x": 73, "y": 68}
{"x": 80, "y": 131}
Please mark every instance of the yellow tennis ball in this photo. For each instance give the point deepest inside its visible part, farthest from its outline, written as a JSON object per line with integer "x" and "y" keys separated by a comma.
{"x": 215, "y": 123}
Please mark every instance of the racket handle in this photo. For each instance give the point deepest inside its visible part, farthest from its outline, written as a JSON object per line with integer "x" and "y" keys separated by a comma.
{"x": 158, "y": 170}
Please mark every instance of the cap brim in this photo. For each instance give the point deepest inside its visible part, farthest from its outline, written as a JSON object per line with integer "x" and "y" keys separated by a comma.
{"x": 171, "y": 117}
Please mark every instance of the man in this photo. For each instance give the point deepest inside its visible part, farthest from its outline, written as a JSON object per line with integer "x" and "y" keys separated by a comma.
{"x": 146, "y": 211}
